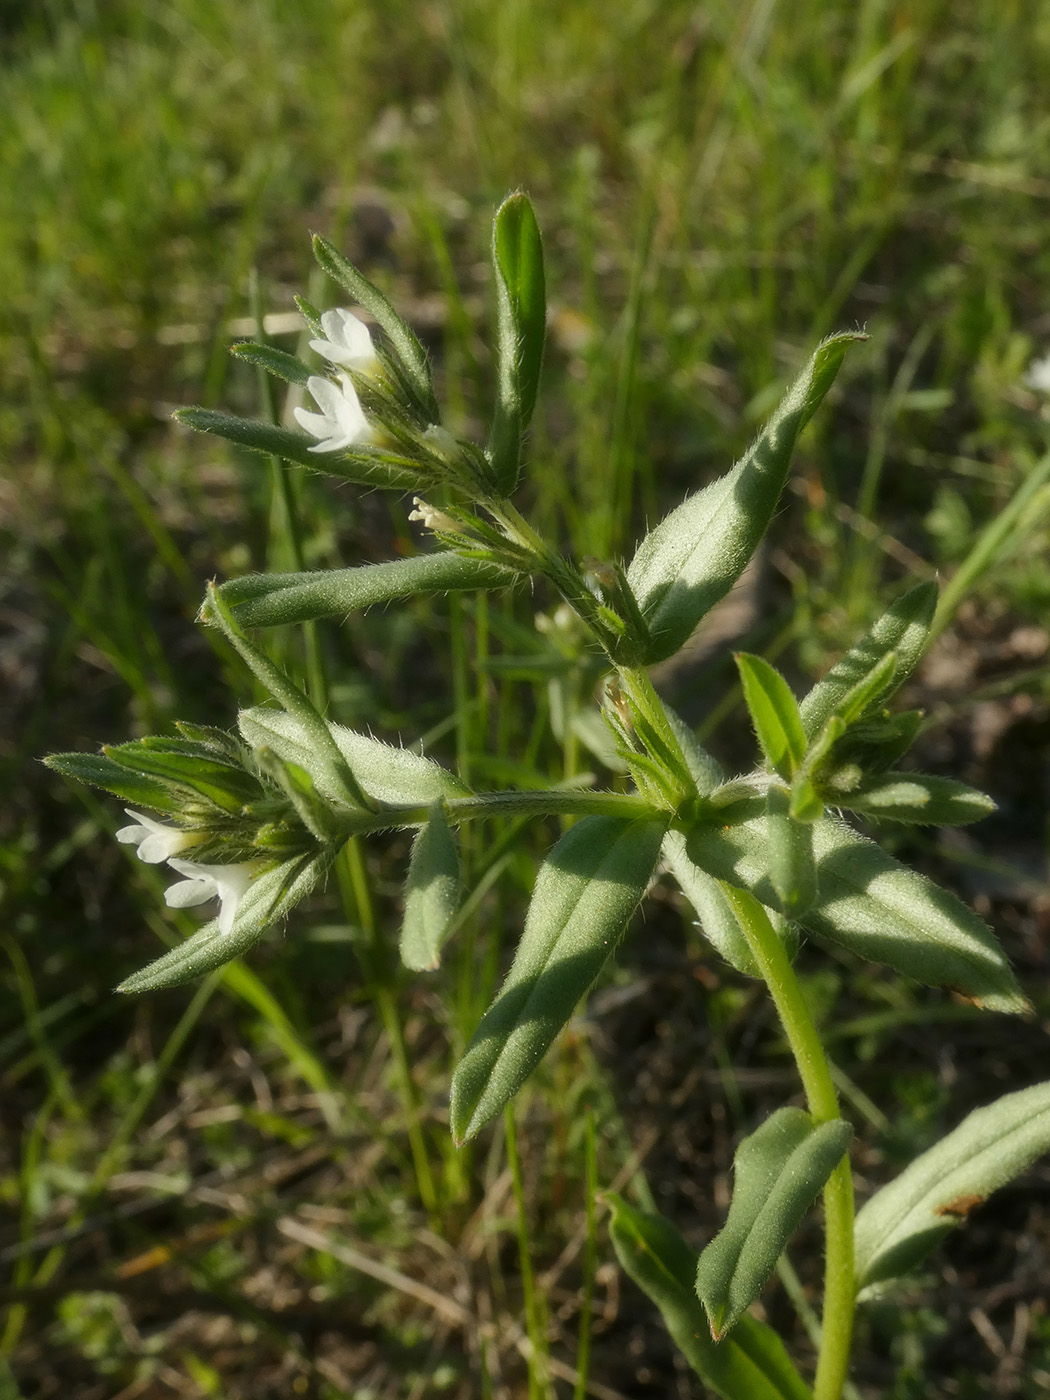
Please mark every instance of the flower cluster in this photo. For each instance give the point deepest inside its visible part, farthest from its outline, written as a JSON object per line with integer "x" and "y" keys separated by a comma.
{"x": 157, "y": 842}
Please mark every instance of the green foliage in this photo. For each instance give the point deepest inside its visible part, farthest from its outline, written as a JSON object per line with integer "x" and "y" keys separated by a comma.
{"x": 432, "y": 892}
{"x": 778, "y": 1171}
{"x": 750, "y": 1364}
{"x": 521, "y": 326}
{"x": 905, "y": 1219}
{"x": 586, "y": 890}
{"x": 273, "y": 600}
{"x": 871, "y": 905}
{"x": 859, "y": 679}
{"x": 774, "y": 713}
{"x": 695, "y": 555}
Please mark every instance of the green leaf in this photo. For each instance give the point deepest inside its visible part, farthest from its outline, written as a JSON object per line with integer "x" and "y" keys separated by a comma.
{"x": 269, "y": 600}
{"x": 367, "y": 466}
{"x": 586, "y": 890}
{"x": 778, "y": 1172}
{"x": 870, "y": 904}
{"x": 102, "y": 772}
{"x": 751, "y": 1364}
{"x": 521, "y": 309}
{"x": 774, "y": 713}
{"x": 387, "y": 774}
{"x": 268, "y": 898}
{"x": 328, "y": 766}
{"x": 790, "y": 855}
{"x": 431, "y": 892}
{"x": 274, "y": 361}
{"x": 718, "y": 923}
{"x": 228, "y": 786}
{"x": 705, "y": 770}
{"x": 695, "y": 555}
{"x": 403, "y": 340}
{"x": 903, "y": 630}
{"x": 902, "y": 1222}
{"x": 916, "y": 797}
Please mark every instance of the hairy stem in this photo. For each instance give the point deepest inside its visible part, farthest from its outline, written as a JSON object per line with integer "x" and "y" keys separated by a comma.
{"x": 822, "y": 1101}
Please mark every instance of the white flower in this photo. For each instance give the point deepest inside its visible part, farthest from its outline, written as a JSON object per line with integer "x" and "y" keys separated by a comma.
{"x": 433, "y": 519}
{"x": 1038, "y": 376}
{"x": 347, "y": 342}
{"x": 341, "y": 422}
{"x": 155, "y": 841}
{"x": 204, "y": 882}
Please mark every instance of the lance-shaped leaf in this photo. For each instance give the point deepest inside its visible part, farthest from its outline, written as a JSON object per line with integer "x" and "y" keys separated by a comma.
{"x": 871, "y": 904}
{"x": 268, "y": 600}
{"x": 704, "y": 768}
{"x": 774, "y": 713}
{"x": 385, "y": 773}
{"x": 778, "y": 1173}
{"x": 695, "y": 555}
{"x": 136, "y": 788}
{"x": 903, "y": 630}
{"x": 403, "y": 340}
{"x": 586, "y": 890}
{"x": 918, "y": 798}
{"x": 521, "y": 308}
{"x": 751, "y": 1364}
{"x": 226, "y": 785}
{"x": 718, "y": 923}
{"x": 792, "y": 867}
{"x": 268, "y": 898}
{"x": 277, "y": 362}
{"x": 906, "y": 1219}
{"x": 368, "y": 466}
{"x": 431, "y": 892}
{"x": 328, "y": 766}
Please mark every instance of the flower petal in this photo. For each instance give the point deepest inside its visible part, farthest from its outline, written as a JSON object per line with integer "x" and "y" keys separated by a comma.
{"x": 187, "y": 893}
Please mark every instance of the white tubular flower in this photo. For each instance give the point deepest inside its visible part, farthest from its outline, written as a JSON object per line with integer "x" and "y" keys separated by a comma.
{"x": 155, "y": 841}
{"x": 347, "y": 342}
{"x": 341, "y": 422}
{"x": 1038, "y": 376}
{"x": 204, "y": 882}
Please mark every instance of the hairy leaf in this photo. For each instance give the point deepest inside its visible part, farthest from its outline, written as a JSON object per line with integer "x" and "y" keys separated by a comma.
{"x": 367, "y": 466}
{"x": 902, "y": 1222}
{"x": 431, "y": 892}
{"x": 871, "y": 904}
{"x": 903, "y": 630}
{"x": 521, "y": 306}
{"x": 751, "y": 1364}
{"x": 274, "y": 361}
{"x": 718, "y": 923}
{"x": 269, "y": 897}
{"x": 774, "y": 713}
{"x": 792, "y": 867}
{"x": 385, "y": 773}
{"x": 778, "y": 1172}
{"x": 102, "y": 772}
{"x": 695, "y": 555}
{"x": 268, "y": 600}
{"x": 586, "y": 890}
{"x": 916, "y": 797}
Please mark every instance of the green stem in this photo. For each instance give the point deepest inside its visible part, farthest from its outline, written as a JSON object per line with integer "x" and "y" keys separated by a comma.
{"x": 815, "y": 1073}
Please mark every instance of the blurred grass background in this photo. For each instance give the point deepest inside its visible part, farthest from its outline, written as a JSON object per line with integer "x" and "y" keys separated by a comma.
{"x": 246, "y": 1188}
